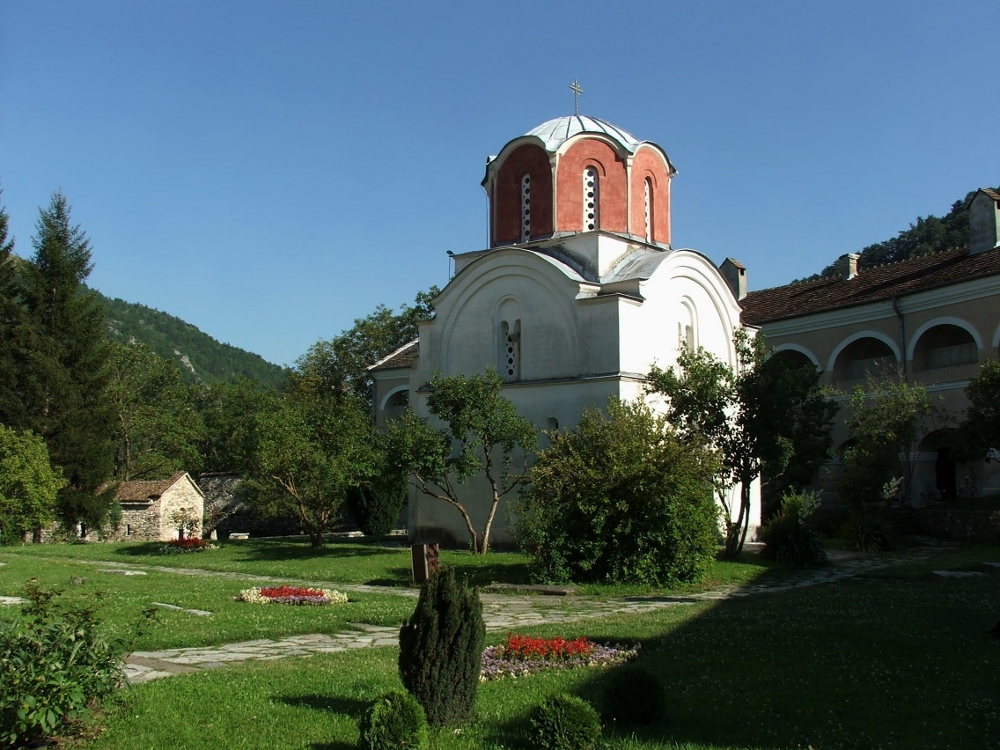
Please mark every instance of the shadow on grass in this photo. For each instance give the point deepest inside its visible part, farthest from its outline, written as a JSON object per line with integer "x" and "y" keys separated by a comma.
{"x": 851, "y": 664}
{"x": 349, "y": 707}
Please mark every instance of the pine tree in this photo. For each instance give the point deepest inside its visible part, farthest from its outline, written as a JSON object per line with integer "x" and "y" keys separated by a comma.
{"x": 63, "y": 383}
{"x": 441, "y": 649}
{"x": 11, "y": 329}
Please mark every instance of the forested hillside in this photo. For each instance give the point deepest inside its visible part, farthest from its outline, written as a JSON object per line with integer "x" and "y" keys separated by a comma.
{"x": 930, "y": 234}
{"x": 200, "y": 357}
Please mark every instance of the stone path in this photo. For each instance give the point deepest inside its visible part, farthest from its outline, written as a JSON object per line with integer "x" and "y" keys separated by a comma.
{"x": 500, "y": 612}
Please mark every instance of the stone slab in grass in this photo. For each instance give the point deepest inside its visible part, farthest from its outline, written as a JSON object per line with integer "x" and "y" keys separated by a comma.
{"x": 991, "y": 567}
{"x": 123, "y": 572}
{"x": 545, "y": 590}
{"x": 175, "y": 608}
{"x": 943, "y": 574}
{"x": 11, "y": 600}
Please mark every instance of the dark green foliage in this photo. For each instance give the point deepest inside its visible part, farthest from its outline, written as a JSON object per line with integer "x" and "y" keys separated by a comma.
{"x": 375, "y": 506}
{"x": 441, "y": 649}
{"x": 342, "y": 362}
{"x": 979, "y": 432}
{"x": 633, "y": 696}
{"x": 872, "y": 530}
{"x": 54, "y": 668}
{"x": 790, "y": 536}
{"x": 565, "y": 722}
{"x": 620, "y": 499}
{"x": 64, "y": 370}
{"x": 200, "y": 357}
{"x": 395, "y": 720}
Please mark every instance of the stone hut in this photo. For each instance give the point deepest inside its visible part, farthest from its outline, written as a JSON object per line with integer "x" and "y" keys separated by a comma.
{"x": 148, "y": 507}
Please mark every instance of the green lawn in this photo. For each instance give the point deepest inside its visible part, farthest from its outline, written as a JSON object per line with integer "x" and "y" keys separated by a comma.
{"x": 120, "y": 600}
{"x": 892, "y": 659}
{"x": 900, "y": 662}
{"x": 357, "y": 561}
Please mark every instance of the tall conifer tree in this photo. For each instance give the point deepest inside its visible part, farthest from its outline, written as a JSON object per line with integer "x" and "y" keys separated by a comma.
{"x": 11, "y": 329}
{"x": 67, "y": 373}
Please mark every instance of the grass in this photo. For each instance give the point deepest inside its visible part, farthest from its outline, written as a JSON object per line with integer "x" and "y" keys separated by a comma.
{"x": 891, "y": 659}
{"x": 361, "y": 562}
{"x": 345, "y": 561}
{"x": 901, "y": 662}
{"x": 120, "y": 599}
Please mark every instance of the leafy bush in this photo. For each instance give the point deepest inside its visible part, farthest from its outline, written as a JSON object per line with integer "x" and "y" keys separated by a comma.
{"x": 395, "y": 720}
{"x": 376, "y": 506}
{"x": 790, "y": 536}
{"x": 620, "y": 499}
{"x": 441, "y": 648}
{"x": 871, "y": 531}
{"x": 633, "y": 696}
{"x": 565, "y": 722}
{"x": 54, "y": 667}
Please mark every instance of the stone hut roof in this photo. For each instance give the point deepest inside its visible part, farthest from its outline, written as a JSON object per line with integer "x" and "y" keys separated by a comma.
{"x": 146, "y": 490}
{"x": 869, "y": 285}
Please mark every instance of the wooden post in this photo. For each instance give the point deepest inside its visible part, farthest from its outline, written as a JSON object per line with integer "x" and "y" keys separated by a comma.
{"x": 425, "y": 561}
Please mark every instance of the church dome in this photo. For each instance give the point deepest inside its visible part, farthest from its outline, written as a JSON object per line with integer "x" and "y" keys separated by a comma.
{"x": 555, "y": 133}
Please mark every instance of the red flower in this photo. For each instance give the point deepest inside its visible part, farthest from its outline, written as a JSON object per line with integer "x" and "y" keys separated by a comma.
{"x": 525, "y": 647}
{"x": 275, "y": 592}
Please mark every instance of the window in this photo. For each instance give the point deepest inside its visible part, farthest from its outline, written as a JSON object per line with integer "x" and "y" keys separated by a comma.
{"x": 510, "y": 354}
{"x": 648, "y": 206}
{"x": 591, "y": 199}
{"x": 526, "y": 208}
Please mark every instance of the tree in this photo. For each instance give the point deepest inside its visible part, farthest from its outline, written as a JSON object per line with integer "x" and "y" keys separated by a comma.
{"x": 28, "y": 483}
{"x": 342, "y": 363}
{"x": 979, "y": 433}
{"x": 757, "y": 417}
{"x": 621, "y": 498}
{"x": 488, "y": 430}
{"x": 228, "y": 411}
{"x": 308, "y": 447}
{"x": 889, "y": 416}
{"x": 12, "y": 330}
{"x": 156, "y": 427}
{"x": 62, "y": 389}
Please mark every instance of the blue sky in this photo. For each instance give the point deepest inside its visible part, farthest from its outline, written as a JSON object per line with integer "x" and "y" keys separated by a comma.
{"x": 271, "y": 171}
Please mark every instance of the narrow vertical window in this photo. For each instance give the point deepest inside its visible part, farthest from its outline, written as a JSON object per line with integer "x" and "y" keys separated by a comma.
{"x": 591, "y": 199}
{"x": 526, "y": 208}
{"x": 648, "y": 205}
{"x": 510, "y": 354}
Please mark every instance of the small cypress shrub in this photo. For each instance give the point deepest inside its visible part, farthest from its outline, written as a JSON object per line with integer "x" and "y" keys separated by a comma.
{"x": 375, "y": 507}
{"x": 633, "y": 696}
{"x": 441, "y": 649}
{"x": 395, "y": 720}
{"x": 565, "y": 722}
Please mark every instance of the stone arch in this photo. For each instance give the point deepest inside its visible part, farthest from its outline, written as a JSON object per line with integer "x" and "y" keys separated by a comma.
{"x": 944, "y": 342}
{"x": 860, "y": 336}
{"x": 392, "y": 393}
{"x": 798, "y": 349}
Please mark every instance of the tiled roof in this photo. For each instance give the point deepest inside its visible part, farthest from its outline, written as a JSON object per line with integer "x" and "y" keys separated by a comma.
{"x": 992, "y": 193}
{"x": 145, "y": 490}
{"x": 870, "y": 285}
{"x": 402, "y": 357}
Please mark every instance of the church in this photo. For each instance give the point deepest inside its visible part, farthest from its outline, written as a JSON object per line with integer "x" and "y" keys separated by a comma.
{"x": 578, "y": 293}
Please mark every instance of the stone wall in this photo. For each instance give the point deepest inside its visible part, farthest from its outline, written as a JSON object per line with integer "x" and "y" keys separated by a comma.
{"x": 225, "y": 512}
{"x": 950, "y": 523}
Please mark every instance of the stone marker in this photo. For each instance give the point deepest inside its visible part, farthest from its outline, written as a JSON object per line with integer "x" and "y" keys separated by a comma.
{"x": 123, "y": 572}
{"x": 11, "y": 600}
{"x": 425, "y": 559}
{"x": 239, "y": 536}
{"x": 175, "y": 608}
{"x": 955, "y": 574}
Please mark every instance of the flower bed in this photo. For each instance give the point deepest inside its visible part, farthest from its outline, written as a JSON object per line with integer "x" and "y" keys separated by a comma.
{"x": 291, "y": 595}
{"x": 180, "y": 546}
{"x": 523, "y": 655}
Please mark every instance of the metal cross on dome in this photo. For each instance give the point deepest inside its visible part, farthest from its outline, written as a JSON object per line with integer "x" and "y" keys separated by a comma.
{"x": 575, "y": 88}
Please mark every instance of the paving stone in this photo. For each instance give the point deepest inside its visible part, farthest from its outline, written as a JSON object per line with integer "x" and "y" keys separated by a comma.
{"x": 991, "y": 567}
{"x": 955, "y": 574}
{"x": 11, "y": 600}
{"x": 123, "y": 572}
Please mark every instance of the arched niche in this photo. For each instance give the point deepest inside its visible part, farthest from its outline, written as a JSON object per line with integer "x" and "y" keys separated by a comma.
{"x": 945, "y": 344}
{"x": 863, "y": 356}
{"x": 796, "y": 355}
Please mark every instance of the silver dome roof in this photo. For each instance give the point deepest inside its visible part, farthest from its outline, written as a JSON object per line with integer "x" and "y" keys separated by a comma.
{"x": 555, "y": 133}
